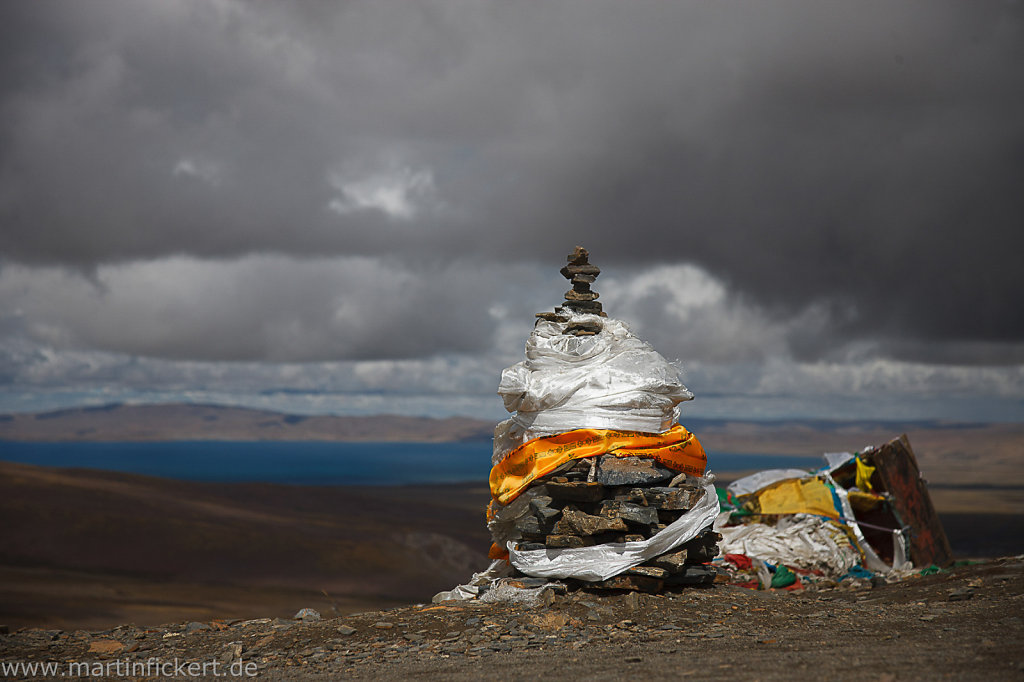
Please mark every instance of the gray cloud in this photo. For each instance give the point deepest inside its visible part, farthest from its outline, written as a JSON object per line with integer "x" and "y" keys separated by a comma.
{"x": 271, "y": 308}
{"x": 799, "y": 182}
{"x": 167, "y": 326}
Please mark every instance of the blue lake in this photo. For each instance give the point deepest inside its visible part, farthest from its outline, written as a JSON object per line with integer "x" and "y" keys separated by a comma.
{"x": 312, "y": 463}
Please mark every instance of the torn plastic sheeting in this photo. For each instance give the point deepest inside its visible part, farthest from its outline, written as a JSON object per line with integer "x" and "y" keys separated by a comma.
{"x": 611, "y": 380}
{"x": 780, "y": 494}
{"x": 762, "y": 479}
{"x": 764, "y": 576}
{"x": 823, "y": 497}
{"x": 601, "y": 562}
{"x": 871, "y": 559}
{"x": 834, "y": 460}
{"x": 804, "y": 541}
{"x": 480, "y": 581}
{"x": 510, "y": 594}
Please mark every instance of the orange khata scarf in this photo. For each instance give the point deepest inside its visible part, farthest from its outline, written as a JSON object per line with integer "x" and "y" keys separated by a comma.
{"x": 677, "y": 449}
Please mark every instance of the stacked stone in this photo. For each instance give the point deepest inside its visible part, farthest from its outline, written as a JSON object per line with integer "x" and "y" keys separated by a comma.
{"x": 610, "y": 499}
{"x": 581, "y": 274}
{"x": 579, "y": 299}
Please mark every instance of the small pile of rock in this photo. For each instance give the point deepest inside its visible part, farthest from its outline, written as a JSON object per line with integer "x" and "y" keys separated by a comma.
{"x": 608, "y": 499}
{"x": 581, "y": 274}
{"x": 580, "y": 299}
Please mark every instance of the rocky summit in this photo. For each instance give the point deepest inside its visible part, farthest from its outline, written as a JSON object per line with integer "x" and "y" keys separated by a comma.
{"x": 962, "y": 624}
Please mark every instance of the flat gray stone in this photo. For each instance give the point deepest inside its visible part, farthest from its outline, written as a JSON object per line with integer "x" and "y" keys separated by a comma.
{"x": 307, "y": 615}
{"x": 575, "y": 522}
{"x": 673, "y": 563}
{"x": 694, "y": 574}
{"x": 618, "y": 471}
{"x": 575, "y": 294}
{"x": 647, "y": 571}
{"x": 681, "y": 499}
{"x": 542, "y": 509}
{"x": 629, "y": 512}
{"x": 961, "y": 594}
{"x": 570, "y": 271}
{"x": 529, "y": 525}
{"x": 566, "y": 541}
{"x": 575, "y": 491}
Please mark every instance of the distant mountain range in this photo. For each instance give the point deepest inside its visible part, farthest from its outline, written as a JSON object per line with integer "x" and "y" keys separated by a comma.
{"x": 119, "y": 422}
{"x": 949, "y": 453}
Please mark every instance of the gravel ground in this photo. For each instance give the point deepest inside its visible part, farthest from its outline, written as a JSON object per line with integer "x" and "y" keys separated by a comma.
{"x": 963, "y": 624}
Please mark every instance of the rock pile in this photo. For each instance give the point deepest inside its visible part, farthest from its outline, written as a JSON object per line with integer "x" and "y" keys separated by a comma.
{"x": 580, "y": 299}
{"x": 613, "y": 390}
{"x": 607, "y": 499}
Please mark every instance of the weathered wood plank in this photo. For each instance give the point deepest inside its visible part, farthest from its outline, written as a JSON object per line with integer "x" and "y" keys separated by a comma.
{"x": 899, "y": 475}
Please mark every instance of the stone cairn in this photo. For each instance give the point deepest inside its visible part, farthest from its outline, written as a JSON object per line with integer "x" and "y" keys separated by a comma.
{"x": 579, "y": 299}
{"x": 607, "y": 499}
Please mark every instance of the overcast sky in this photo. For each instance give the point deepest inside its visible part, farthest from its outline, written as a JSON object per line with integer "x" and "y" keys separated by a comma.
{"x": 357, "y": 207}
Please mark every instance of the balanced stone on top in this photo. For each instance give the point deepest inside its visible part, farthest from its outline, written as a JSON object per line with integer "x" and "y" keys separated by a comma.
{"x": 581, "y": 273}
{"x": 580, "y": 299}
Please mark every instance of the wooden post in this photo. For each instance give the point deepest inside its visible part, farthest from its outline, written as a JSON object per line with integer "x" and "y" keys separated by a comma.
{"x": 899, "y": 475}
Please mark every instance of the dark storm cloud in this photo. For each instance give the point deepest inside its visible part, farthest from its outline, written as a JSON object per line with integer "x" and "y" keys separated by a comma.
{"x": 864, "y": 158}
